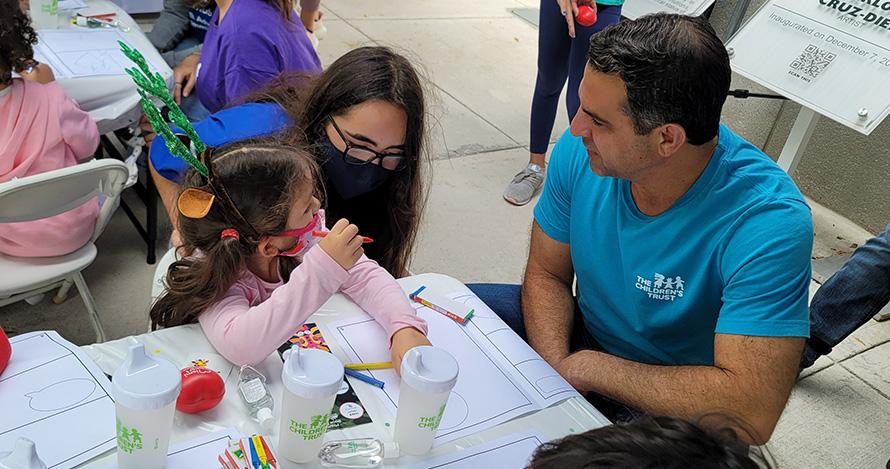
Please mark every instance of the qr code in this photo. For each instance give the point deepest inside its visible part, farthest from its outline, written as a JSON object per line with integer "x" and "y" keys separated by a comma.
{"x": 811, "y": 63}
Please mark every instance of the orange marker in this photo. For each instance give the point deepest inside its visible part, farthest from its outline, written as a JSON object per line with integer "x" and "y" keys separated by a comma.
{"x": 322, "y": 234}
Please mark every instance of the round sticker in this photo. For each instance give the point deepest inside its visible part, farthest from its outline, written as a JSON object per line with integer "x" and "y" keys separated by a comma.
{"x": 344, "y": 387}
{"x": 351, "y": 410}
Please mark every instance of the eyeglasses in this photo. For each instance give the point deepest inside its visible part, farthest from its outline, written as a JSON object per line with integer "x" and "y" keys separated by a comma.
{"x": 358, "y": 155}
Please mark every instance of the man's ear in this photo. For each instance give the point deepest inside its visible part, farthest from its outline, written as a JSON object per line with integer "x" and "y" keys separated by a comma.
{"x": 670, "y": 138}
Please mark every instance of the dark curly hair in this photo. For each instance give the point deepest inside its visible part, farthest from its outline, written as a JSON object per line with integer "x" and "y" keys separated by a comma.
{"x": 16, "y": 40}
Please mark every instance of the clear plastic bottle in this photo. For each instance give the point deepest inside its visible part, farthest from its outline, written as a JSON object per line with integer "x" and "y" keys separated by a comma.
{"x": 361, "y": 453}
{"x": 256, "y": 396}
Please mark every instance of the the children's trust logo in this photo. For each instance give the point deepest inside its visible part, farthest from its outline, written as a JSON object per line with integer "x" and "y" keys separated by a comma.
{"x": 662, "y": 287}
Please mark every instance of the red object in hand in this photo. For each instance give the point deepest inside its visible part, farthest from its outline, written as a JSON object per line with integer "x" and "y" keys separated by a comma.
{"x": 5, "y": 350}
{"x": 202, "y": 389}
{"x": 586, "y": 15}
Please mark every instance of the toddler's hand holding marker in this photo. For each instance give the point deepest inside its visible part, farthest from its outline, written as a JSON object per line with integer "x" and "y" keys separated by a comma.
{"x": 343, "y": 244}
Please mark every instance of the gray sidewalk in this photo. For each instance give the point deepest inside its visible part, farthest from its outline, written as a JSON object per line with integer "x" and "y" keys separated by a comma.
{"x": 479, "y": 62}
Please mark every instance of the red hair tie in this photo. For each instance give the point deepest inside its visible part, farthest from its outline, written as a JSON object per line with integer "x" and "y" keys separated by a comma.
{"x": 230, "y": 233}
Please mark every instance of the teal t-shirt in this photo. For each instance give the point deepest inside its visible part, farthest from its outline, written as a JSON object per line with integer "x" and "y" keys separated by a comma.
{"x": 731, "y": 256}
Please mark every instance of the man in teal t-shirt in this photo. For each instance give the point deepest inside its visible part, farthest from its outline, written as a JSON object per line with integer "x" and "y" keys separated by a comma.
{"x": 690, "y": 247}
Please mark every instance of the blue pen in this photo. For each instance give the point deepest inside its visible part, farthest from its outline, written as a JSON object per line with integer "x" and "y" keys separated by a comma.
{"x": 363, "y": 377}
{"x": 254, "y": 459}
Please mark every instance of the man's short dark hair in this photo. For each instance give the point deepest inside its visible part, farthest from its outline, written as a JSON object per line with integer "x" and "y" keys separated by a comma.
{"x": 674, "y": 67}
{"x": 650, "y": 442}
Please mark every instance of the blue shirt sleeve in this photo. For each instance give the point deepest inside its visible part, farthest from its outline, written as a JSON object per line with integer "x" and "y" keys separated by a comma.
{"x": 554, "y": 208}
{"x": 168, "y": 166}
{"x": 766, "y": 270}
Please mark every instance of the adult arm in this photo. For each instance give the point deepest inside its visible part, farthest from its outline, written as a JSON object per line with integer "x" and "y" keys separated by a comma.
{"x": 171, "y": 25}
{"x": 751, "y": 380}
{"x": 547, "y": 302}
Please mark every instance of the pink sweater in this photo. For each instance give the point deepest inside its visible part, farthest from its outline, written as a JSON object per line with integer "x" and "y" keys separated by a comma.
{"x": 41, "y": 129}
{"x": 255, "y": 317}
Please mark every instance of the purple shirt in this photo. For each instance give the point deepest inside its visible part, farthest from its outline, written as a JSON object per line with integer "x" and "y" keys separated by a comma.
{"x": 251, "y": 46}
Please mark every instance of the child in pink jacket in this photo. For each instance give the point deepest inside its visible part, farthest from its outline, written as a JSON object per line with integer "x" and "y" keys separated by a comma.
{"x": 41, "y": 129}
{"x": 254, "y": 272}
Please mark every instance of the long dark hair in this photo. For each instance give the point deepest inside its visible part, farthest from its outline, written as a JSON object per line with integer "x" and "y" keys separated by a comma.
{"x": 17, "y": 39}
{"x": 262, "y": 178}
{"x": 361, "y": 75}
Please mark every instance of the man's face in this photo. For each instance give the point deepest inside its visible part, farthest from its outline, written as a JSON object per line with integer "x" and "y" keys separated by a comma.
{"x": 613, "y": 148}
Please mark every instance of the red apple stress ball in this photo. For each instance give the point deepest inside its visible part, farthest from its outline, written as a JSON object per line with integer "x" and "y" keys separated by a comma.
{"x": 586, "y": 15}
{"x": 202, "y": 389}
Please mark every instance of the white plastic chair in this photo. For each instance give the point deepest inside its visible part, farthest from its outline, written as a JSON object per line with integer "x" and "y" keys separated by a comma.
{"x": 47, "y": 194}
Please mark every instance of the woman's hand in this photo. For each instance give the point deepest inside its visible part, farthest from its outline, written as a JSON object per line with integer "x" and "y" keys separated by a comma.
{"x": 403, "y": 340}
{"x": 569, "y": 9}
{"x": 184, "y": 76}
{"x": 41, "y": 73}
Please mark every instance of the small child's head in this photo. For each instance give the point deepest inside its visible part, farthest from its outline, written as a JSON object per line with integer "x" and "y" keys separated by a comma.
{"x": 651, "y": 442}
{"x": 16, "y": 40}
{"x": 265, "y": 203}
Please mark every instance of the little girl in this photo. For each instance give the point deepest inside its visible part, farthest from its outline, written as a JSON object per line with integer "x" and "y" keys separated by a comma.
{"x": 41, "y": 129}
{"x": 239, "y": 279}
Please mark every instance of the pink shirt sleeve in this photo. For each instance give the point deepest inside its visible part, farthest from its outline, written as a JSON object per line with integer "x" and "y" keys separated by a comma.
{"x": 79, "y": 131}
{"x": 246, "y": 335}
{"x": 376, "y": 291}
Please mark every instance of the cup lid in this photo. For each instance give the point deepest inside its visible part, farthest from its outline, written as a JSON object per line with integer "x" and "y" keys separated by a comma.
{"x": 311, "y": 373}
{"x": 429, "y": 369}
{"x": 143, "y": 382}
{"x": 23, "y": 456}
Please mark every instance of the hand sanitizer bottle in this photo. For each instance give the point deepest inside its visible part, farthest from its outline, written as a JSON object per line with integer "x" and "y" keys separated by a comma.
{"x": 256, "y": 396}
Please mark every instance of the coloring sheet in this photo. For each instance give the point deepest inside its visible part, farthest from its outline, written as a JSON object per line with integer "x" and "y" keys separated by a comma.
{"x": 500, "y": 377}
{"x": 200, "y": 452}
{"x": 48, "y": 392}
{"x": 545, "y": 386}
{"x": 514, "y": 450}
{"x": 73, "y": 53}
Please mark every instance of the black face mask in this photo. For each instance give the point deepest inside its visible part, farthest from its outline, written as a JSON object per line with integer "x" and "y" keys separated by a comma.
{"x": 349, "y": 181}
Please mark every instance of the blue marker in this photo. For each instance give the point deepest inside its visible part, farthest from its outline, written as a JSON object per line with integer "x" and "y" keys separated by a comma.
{"x": 363, "y": 377}
{"x": 254, "y": 458}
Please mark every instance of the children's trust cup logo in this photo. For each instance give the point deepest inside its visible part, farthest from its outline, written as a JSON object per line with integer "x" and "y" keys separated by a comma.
{"x": 432, "y": 422}
{"x": 315, "y": 429}
{"x": 662, "y": 287}
{"x": 128, "y": 439}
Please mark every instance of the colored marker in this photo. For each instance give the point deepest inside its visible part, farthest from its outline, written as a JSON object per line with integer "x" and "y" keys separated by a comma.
{"x": 363, "y": 377}
{"x": 369, "y": 366}
{"x": 322, "y": 234}
{"x": 462, "y": 320}
{"x": 254, "y": 457}
{"x": 255, "y": 441}
{"x": 269, "y": 454}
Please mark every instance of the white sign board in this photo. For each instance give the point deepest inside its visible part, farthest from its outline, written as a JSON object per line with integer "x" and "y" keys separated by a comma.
{"x": 831, "y": 56}
{"x": 634, "y": 9}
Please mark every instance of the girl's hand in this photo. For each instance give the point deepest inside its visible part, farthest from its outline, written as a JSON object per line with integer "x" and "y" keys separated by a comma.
{"x": 41, "y": 73}
{"x": 403, "y": 340}
{"x": 343, "y": 244}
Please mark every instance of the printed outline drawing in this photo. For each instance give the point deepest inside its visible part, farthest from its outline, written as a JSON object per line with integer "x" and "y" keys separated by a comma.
{"x": 34, "y": 394}
{"x": 464, "y": 412}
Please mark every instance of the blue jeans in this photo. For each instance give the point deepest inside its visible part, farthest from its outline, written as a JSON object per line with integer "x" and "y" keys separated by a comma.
{"x": 506, "y": 301}
{"x": 850, "y": 297}
{"x": 561, "y": 57}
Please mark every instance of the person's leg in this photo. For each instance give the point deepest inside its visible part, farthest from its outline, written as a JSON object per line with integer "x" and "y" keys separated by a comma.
{"x": 554, "y": 44}
{"x": 850, "y": 297}
{"x": 607, "y": 15}
{"x": 505, "y": 301}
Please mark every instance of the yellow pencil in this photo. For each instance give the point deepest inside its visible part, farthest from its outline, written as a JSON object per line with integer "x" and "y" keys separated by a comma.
{"x": 369, "y": 366}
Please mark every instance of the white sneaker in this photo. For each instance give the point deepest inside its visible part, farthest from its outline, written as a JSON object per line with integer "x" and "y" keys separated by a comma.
{"x": 525, "y": 185}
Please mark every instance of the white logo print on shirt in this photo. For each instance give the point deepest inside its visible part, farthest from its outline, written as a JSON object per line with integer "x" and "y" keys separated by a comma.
{"x": 662, "y": 287}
